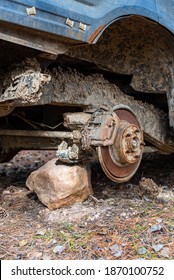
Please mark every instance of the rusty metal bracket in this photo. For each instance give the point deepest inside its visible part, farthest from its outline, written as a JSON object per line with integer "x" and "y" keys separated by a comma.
{"x": 100, "y": 130}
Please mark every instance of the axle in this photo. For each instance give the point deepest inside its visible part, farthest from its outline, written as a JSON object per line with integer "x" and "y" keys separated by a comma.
{"x": 115, "y": 136}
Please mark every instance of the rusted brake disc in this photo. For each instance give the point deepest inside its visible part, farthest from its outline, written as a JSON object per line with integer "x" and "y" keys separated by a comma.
{"x": 121, "y": 160}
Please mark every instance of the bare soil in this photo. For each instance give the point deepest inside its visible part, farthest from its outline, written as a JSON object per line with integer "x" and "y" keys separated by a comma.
{"x": 120, "y": 221}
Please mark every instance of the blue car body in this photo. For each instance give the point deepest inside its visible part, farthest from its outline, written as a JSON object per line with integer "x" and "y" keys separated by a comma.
{"x": 87, "y": 18}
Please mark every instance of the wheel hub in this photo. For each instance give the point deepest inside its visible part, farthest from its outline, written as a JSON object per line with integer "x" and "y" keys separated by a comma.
{"x": 127, "y": 145}
{"x": 120, "y": 160}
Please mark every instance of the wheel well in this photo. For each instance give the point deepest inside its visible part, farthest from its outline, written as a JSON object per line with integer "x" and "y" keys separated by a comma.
{"x": 134, "y": 46}
{"x": 138, "y": 47}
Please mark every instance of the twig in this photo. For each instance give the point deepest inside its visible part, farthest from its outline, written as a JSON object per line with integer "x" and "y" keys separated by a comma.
{"x": 95, "y": 199}
{"x": 3, "y": 248}
{"x": 1, "y": 257}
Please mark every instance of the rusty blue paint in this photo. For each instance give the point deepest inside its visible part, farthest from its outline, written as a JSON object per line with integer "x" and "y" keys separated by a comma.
{"x": 51, "y": 15}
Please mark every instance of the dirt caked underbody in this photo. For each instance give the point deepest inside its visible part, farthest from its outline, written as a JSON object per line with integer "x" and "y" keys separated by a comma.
{"x": 112, "y": 100}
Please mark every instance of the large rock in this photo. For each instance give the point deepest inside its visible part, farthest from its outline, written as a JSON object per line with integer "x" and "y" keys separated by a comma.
{"x": 57, "y": 185}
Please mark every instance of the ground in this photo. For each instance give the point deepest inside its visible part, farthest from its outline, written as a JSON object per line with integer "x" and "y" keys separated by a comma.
{"x": 133, "y": 220}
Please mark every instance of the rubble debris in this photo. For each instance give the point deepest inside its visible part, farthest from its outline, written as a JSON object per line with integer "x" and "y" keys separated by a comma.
{"x": 148, "y": 188}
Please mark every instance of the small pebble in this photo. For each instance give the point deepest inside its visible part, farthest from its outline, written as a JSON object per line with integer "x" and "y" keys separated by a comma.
{"x": 142, "y": 251}
{"x": 123, "y": 214}
{"x": 165, "y": 253}
{"x": 157, "y": 247}
{"x": 52, "y": 243}
{"x": 164, "y": 188}
{"x": 159, "y": 220}
{"x": 156, "y": 227}
{"x": 41, "y": 232}
{"x": 59, "y": 249}
{"x": 116, "y": 250}
{"x": 19, "y": 256}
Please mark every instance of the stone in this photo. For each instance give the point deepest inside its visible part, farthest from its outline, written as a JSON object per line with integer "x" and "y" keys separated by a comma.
{"x": 41, "y": 232}
{"x": 116, "y": 250}
{"x": 165, "y": 253}
{"x": 59, "y": 249}
{"x": 157, "y": 247}
{"x": 58, "y": 185}
{"x": 142, "y": 251}
{"x": 159, "y": 220}
{"x": 23, "y": 243}
{"x": 156, "y": 227}
{"x": 52, "y": 243}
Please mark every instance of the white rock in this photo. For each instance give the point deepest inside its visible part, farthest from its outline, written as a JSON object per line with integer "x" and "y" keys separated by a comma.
{"x": 142, "y": 251}
{"x": 156, "y": 227}
{"x": 116, "y": 250}
{"x": 41, "y": 232}
{"x": 157, "y": 247}
{"x": 59, "y": 249}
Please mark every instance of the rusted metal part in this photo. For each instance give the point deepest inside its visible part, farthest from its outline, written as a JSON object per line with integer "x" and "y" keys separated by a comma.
{"x": 121, "y": 160}
{"x": 12, "y": 141}
{"x": 74, "y": 135}
{"x": 118, "y": 138}
{"x": 127, "y": 148}
{"x": 75, "y": 120}
{"x": 95, "y": 33}
{"x": 100, "y": 130}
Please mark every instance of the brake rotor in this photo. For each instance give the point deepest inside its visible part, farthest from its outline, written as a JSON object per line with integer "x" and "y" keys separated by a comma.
{"x": 121, "y": 160}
